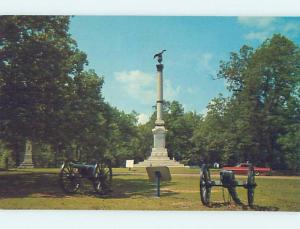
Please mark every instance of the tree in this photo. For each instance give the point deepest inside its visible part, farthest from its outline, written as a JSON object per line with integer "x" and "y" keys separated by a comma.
{"x": 40, "y": 70}
{"x": 180, "y": 127}
{"x": 83, "y": 123}
{"x": 121, "y": 135}
{"x": 265, "y": 99}
{"x": 210, "y": 136}
{"x": 5, "y": 156}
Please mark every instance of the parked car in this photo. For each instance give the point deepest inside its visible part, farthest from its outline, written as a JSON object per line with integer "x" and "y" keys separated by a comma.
{"x": 242, "y": 168}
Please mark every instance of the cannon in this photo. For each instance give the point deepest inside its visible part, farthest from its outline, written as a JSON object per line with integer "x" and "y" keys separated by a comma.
{"x": 227, "y": 180}
{"x": 71, "y": 173}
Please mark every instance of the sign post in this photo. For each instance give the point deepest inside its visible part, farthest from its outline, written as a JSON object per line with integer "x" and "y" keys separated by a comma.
{"x": 157, "y": 174}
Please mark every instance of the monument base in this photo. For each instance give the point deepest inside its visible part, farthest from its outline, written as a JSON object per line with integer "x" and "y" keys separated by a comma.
{"x": 27, "y": 162}
{"x": 26, "y": 165}
{"x": 159, "y": 154}
{"x": 159, "y": 157}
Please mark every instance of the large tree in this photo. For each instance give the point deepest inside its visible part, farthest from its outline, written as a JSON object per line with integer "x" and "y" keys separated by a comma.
{"x": 121, "y": 135}
{"x": 39, "y": 62}
{"x": 265, "y": 100}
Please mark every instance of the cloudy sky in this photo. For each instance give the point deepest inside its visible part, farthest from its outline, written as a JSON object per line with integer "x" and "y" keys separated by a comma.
{"x": 121, "y": 49}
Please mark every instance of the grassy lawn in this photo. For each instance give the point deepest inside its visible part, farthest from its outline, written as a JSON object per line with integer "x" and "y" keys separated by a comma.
{"x": 39, "y": 189}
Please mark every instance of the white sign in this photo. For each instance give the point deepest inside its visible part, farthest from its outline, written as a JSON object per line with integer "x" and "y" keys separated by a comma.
{"x": 129, "y": 163}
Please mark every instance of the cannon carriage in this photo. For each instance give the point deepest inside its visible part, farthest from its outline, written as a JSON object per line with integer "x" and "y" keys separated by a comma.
{"x": 227, "y": 180}
{"x": 72, "y": 172}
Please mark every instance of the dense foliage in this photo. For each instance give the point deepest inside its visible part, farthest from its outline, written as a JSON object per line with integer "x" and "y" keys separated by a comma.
{"x": 259, "y": 122}
{"x": 48, "y": 96}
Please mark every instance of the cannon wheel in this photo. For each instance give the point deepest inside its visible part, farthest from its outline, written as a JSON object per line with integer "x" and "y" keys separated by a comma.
{"x": 251, "y": 186}
{"x": 103, "y": 179}
{"x": 69, "y": 178}
{"x": 205, "y": 187}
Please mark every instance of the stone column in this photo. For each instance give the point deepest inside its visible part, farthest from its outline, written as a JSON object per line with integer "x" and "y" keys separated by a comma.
{"x": 159, "y": 131}
{"x": 159, "y": 153}
{"x": 159, "y": 95}
{"x": 27, "y": 162}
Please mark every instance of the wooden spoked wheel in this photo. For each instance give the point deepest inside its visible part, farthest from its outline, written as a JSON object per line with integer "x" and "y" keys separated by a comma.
{"x": 69, "y": 178}
{"x": 103, "y": 179}
{"x": 205, "y": 185}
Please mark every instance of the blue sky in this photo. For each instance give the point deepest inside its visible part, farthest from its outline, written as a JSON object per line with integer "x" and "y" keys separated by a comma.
{"x": 121, "y": 49}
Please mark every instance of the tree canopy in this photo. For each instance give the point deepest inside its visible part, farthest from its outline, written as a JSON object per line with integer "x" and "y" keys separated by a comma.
{"x": 46, "y": 96}
{"x": 263, "y": 111}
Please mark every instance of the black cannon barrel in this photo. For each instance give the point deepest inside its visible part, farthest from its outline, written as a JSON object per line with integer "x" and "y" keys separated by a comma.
{"x": 81, "y": 166}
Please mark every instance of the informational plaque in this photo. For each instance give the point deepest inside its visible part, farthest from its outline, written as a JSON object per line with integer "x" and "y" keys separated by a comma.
{"x": 164, "y": 172}
{"x": 129, "y": 163}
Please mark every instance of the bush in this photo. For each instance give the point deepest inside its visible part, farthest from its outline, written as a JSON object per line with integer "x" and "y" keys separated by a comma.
{"x": 6, "y": 160}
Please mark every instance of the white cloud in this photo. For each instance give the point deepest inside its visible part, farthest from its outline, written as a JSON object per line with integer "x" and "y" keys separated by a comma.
{"x": 261, "y": 36}
{"x": 204, "y": 63}
{"x": 142, "y": 86}
{"x": 170, "y": 93}
{"x": 191, "y": 90}
{"x": 142, "y": 118}
{"x": 138, "y": 85}
{"x": 264, "y": 27}
{"x": 207, "y": 56}
{"x": 134, "y": 76}
{"x": 291, "y": 27}
{"x": 205, "y": 59}
{"x": 259, "y": 22}
{"x": 204, "y": 111}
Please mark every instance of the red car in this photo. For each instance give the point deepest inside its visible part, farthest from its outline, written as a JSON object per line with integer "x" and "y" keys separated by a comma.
{"x": 242, "y": 168}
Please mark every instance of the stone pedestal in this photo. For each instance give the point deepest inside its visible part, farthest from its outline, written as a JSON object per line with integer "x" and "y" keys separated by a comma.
{"x": 27, "y": 162}
{"x": 159, "y": 154}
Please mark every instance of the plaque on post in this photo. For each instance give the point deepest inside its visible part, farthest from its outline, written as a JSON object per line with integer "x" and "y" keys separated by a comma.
{"x": 157, "y": 174}
{"x": 129, "y": 164}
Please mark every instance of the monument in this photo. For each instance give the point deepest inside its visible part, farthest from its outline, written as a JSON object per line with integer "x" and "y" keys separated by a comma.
{"x": 159, "y": 154}
{"x": 27, "y": 162}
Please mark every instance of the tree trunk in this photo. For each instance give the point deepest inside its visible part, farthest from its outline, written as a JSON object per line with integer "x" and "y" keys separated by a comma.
{"x": 17, "y": 149}
{"x": 6, "y": 163}
{"x": 17, "y": 156}
{"x": 78, "y": 154}
{"x": 56, "y": 155}
{"x": 269, "y": 145}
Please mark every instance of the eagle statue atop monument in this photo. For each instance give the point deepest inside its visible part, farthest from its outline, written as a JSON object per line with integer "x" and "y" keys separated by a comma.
{"x": 159, "y": 56}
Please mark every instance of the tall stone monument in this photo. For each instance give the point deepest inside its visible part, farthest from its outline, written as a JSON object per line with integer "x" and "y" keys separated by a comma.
{"x": 159, "y": 154}
{"x": 27, "y": 162}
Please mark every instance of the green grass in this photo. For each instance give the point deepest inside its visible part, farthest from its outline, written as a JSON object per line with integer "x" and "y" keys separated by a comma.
{"x": 39, "y": 189}
{"x": 175, "y": 170}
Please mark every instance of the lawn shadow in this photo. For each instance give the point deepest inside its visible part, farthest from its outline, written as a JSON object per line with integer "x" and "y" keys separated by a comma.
{"x": 138, "y": 187}
{"x": 47, "y": 185}
{"x": 26, "y": 184}
{"x": 265, "y": 208}
{"x": 233, "y": 206}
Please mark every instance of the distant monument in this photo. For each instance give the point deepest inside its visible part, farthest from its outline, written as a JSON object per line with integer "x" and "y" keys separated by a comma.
{"x": 27, "y": 162}
{"x": 159, "y": 154}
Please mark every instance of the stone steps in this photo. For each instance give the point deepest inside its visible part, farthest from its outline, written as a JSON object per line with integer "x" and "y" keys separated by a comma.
{"x": 159, "y": 162}
{"x": 26, "y": 165}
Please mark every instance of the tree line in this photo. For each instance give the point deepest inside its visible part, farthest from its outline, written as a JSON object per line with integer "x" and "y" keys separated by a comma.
{"x": 50, "y": 97}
